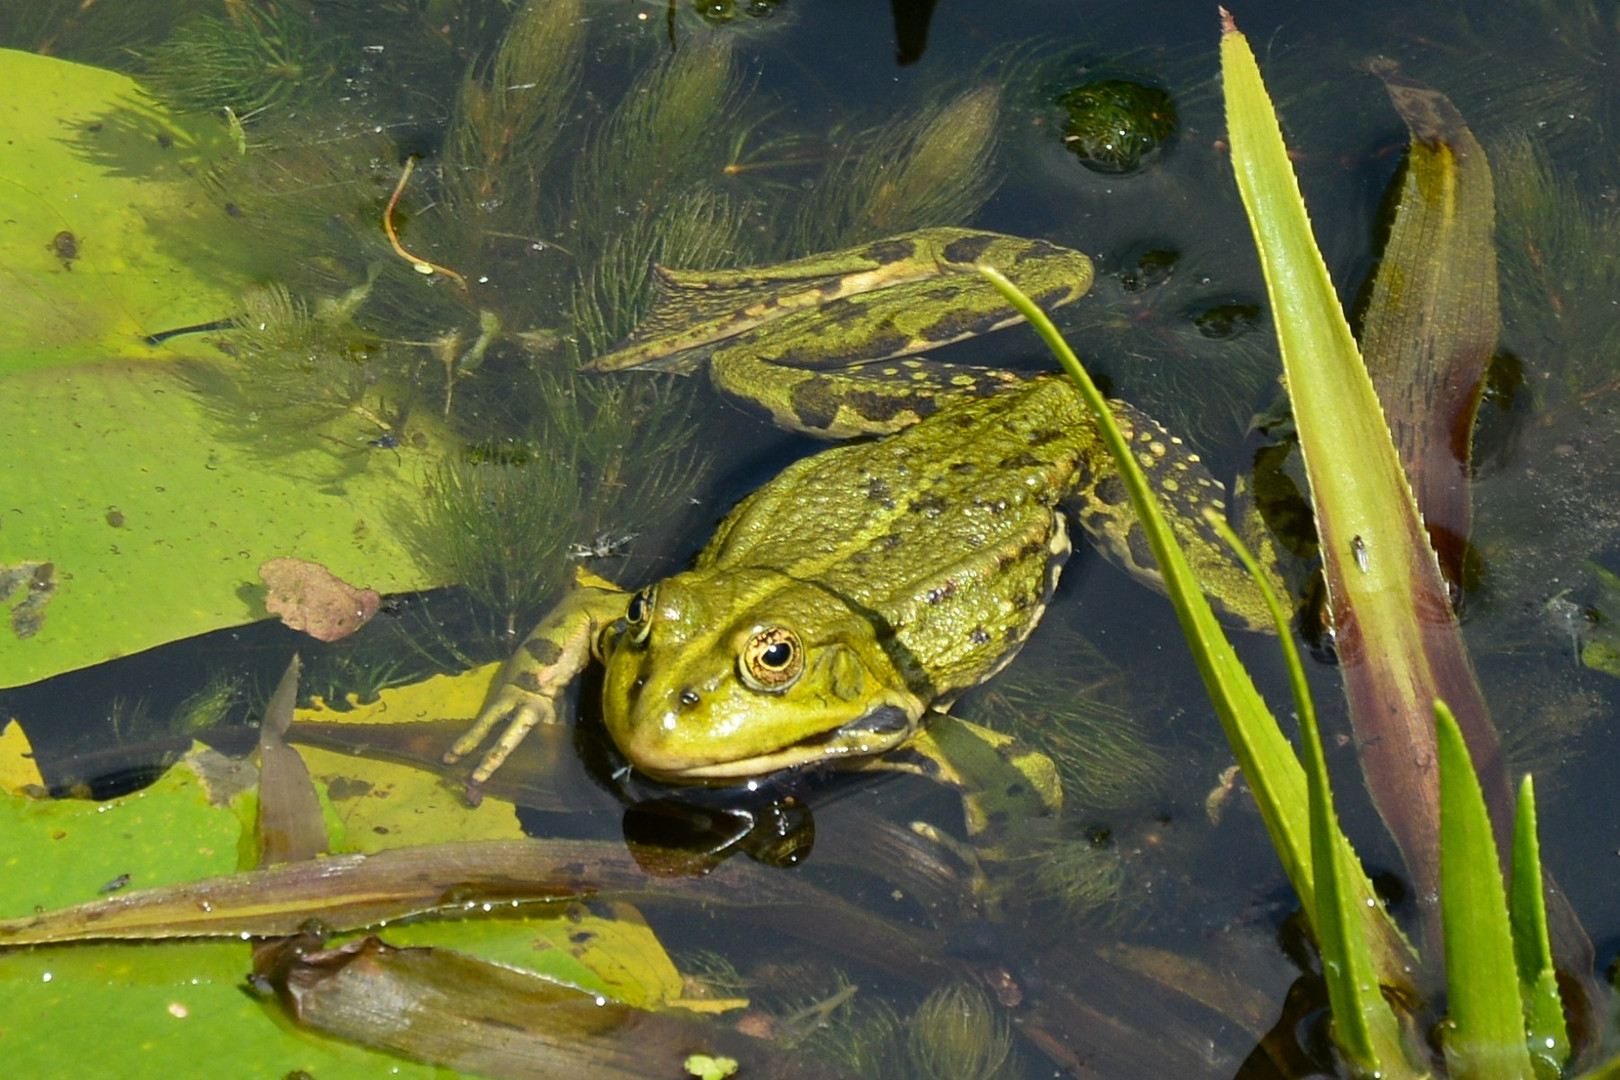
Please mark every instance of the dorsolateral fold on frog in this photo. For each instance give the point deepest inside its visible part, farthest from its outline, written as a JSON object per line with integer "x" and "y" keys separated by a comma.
{"x": 868, "y": 585}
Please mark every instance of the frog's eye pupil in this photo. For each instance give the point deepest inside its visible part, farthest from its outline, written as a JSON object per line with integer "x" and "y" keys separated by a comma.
{"x": 772, "y": 660}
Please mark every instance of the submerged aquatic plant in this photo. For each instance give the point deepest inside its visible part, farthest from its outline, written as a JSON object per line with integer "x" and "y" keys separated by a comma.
{"x": 301, "y": 371}
{"x": 508, "y": 119}
{"x": 933, "y": 167}
{"x": 257, "y": 57}
{"x": 1103, "y": 758}
{"x": 958, "y": 1033}
{"x": 493, "y": 526}
{"x": 643, "y": 190}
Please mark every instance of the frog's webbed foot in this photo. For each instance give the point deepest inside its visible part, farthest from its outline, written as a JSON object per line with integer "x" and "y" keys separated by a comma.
{"x": 526, "y": 692}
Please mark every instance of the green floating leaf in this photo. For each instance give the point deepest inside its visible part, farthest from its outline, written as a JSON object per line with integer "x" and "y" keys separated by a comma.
{"x": 55, "y": 852}
{"x": 174, "y": 1010}
{"x": 135, "y": 519}
{"x": 1485, "y": 1034}
{"x": 1545, "y": 1033}
{"x": 171, "y": 1011}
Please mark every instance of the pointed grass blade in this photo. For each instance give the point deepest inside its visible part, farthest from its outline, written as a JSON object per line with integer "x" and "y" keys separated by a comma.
{"x": 1365, "y": 1029}
{"x": 291, "y": 823}
{"x": 1485, "y": 1036}
{"x": 1546, "y": 1035}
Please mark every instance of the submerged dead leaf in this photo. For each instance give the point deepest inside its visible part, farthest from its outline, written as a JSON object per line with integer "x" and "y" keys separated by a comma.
{"x": 1431, "y": 324}
{"x": 291, "y": 826}
{"x": 32, "y": 584}
{"x": 309, "y": 597}
{"x": 446, "y": 1008}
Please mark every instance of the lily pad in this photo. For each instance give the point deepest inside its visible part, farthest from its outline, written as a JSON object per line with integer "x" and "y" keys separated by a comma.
{"x": 175, "y": 1009}
{"x": 152, "y": 519}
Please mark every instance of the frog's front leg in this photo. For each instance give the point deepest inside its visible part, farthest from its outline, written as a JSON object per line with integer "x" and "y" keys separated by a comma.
{"x": 526, "y": 692}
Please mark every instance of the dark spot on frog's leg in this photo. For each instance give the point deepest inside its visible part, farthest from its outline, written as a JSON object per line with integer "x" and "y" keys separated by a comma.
{"x": 1021, "y": 460}
{"x": 1037, "y": 249}
{"x": 875, "y": 406}
{"x": 527, "y": 680}
{"x": 543, "y": 651}
{"x": 956, "y": 324}
{"x": 968, "y": 249}
{"x": 979, "y": 636}
{"x": 815, "y": 403}
{"x": 1141, "y": 552}
{"x": 878, "y": 491}
{"x": 890, "y": 251}
{"x": 1111, "y": 490}
{"x": 931, "y": 505}
{"x": 1054, "y": 297}
{"x": 1044, "y": 436}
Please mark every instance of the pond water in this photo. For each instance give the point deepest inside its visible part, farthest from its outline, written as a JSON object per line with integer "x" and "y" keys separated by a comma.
{"x": 407, "y": 409}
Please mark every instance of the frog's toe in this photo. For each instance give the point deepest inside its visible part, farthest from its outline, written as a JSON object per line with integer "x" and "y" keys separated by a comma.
{"x": 521, "y": 710}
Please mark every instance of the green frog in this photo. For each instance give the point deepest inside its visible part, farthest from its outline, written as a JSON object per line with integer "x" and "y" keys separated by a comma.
{"x": 867, "y": 586}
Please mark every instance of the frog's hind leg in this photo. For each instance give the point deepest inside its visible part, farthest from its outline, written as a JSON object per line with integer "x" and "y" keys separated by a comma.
{"x": 874, "y": 397}
{"x": 1185, "y": 488}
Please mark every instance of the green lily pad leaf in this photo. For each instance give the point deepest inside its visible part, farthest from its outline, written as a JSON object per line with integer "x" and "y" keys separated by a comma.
{"x": 133, "y": 517}
{"x": 55, "y": 852}
{"x": 384, "y": 804}
{"x": 174, "y": 1010}
{"x": 156, "y": 526}
{"x": 99, "y": 189}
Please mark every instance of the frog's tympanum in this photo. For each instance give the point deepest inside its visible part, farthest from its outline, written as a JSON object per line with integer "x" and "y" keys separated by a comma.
{"x": 872, "y": 583}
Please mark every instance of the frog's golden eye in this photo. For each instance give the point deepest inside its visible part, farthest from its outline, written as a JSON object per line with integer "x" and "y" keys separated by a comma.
{"x": 638, "y": 615}
{"x": 772, "y": 660}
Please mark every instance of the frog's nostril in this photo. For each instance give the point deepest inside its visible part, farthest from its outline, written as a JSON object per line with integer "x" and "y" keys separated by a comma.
{"x": 689, "y": 697}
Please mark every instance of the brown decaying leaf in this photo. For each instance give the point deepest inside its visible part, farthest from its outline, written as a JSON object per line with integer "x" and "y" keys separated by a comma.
{"x": 454, "y": 1010}
{"x": 308, "y": 597}
{"x": 290, "y": 823}
{"x": 1432, "y": 321}
{"x": 1428, "y": 334}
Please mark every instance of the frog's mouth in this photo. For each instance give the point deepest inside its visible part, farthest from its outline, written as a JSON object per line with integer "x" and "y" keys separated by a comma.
{"x": 874, "y": 732}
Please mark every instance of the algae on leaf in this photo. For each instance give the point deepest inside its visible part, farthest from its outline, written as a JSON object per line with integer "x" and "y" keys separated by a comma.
{"x": 116, "y": 476}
